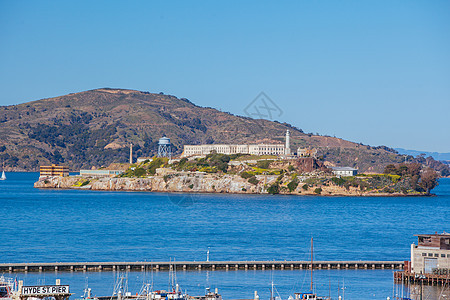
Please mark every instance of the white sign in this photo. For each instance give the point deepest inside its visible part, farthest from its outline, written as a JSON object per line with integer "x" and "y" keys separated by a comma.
{"x": 45, "y": 290}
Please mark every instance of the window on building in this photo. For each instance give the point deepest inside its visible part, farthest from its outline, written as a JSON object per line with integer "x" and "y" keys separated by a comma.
{"x": 442, "y": 255}
{"x": 425, "y": 240}
{"x": 430, "y": 254}
{"x": 436, "y": 255}
{"x": 424, "y": 254}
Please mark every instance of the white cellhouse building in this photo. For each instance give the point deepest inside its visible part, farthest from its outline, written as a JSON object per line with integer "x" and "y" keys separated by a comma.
{"x": 253, "y": 149}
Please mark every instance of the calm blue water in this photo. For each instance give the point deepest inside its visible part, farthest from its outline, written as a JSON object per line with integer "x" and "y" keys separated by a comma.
{"x": 70, "y": 225}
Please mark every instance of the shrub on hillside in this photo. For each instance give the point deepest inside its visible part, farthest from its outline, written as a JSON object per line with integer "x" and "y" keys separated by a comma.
{"x": 253, "y": 180}
{"x": 263, "y": 164}
{"x": 246, "y": 175}
{"x": 274, "y": 189}
{"x": 292, "y": 185}
{"x": 158, "y": 162}
{"x": 338, "y": 181}
{"x": 138, "y": 172}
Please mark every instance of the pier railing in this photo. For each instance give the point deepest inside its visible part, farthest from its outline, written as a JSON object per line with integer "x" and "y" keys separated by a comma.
{"x": 197, "y": 265}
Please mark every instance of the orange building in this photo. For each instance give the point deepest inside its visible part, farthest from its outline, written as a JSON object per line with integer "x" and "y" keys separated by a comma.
{"x": 54, "y": 170}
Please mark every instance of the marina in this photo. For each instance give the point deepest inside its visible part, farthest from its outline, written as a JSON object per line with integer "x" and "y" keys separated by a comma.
{"x": 235, "y": 285}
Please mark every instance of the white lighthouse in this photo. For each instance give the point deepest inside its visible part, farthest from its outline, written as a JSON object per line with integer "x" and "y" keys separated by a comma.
{"x": 287, "y": 150}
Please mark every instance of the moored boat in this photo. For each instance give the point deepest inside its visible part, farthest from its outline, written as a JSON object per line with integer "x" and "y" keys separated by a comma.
{"x": 7, "y": 288}
{"x": 309, "y": 295}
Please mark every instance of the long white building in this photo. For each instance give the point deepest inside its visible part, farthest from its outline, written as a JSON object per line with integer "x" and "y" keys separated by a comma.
{"x": 253, "y": 149}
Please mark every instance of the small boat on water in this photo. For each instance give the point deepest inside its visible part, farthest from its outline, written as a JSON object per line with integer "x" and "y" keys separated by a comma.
{"x": 3, "y": 176}
{"x": 164, "y": 295}
{"x": 309, "y": 295}
{"x": 209, "y": 295}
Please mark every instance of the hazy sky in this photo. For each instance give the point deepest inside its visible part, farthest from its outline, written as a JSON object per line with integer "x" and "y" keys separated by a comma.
{"x": 376, "y": 72}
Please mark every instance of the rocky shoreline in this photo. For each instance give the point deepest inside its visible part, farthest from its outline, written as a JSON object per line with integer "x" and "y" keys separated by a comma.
{"x": 202, "y": 183}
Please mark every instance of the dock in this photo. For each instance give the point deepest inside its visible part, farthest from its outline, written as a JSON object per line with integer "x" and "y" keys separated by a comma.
{"x": 198, "y": 266}
{"x": 426, "y": 279}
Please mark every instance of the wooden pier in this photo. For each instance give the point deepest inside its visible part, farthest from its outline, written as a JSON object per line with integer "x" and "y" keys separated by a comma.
{"x": 425, "y": 279}
{"x": 200, "y": 265}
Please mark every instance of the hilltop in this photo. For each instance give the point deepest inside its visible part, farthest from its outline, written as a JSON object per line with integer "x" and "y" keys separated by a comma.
{"x": 94, "y": 128}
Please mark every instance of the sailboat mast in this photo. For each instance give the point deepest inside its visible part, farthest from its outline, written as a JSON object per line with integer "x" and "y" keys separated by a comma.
{"x": 271, "y": 292}
{"x": 312, "y": 249}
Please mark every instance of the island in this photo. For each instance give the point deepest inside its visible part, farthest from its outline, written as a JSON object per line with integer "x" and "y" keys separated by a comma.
{"x": 250, "y": 174}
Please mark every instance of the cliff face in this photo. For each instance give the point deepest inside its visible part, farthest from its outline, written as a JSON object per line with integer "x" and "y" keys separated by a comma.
{"x": 182, "y": 183}
{"x": 200, "y": 183}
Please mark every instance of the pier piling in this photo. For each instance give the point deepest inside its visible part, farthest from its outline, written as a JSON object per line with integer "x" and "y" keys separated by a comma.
{"x": 186, "y": 266}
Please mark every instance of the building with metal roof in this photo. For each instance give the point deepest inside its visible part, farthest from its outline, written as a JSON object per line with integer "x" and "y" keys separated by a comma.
{"x": 344, "y": 171}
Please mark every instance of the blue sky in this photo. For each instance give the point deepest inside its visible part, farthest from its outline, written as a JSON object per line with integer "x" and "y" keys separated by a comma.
{"x": 376, "y": 72}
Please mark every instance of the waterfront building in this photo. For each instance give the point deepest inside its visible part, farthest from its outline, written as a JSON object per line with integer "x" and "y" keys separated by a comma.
{"x": 344, "y": 171}
{"x": 100, "y": 173}
{"x": 54, "y": 170}
{"x": 431, "y": 254}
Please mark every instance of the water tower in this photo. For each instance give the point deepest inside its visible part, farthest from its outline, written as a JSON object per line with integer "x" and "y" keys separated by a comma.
{"x": 164, "y": 149}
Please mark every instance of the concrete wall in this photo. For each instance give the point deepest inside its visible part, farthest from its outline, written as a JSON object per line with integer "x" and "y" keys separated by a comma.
{"x": 421, "y": 255}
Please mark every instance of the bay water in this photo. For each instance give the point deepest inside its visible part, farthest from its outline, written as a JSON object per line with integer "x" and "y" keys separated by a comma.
{"x": 43, "y": 225}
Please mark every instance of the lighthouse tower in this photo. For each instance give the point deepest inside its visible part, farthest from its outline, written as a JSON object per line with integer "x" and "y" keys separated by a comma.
{"x": 287, "y": 150}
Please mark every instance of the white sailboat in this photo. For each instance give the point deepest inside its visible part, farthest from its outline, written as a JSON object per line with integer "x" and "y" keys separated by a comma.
{"x": 310, "y": 295}
{"x": 3, "y": 173}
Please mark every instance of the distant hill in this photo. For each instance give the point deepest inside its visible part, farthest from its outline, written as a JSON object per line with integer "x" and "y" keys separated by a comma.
{"x": 435, "y": 155}
{"x": 94, "y": 128}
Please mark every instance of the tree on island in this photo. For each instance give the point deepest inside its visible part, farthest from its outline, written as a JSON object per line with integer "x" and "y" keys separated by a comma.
{"x": 428, "y": 180}
{"x": 418, "y": 180}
